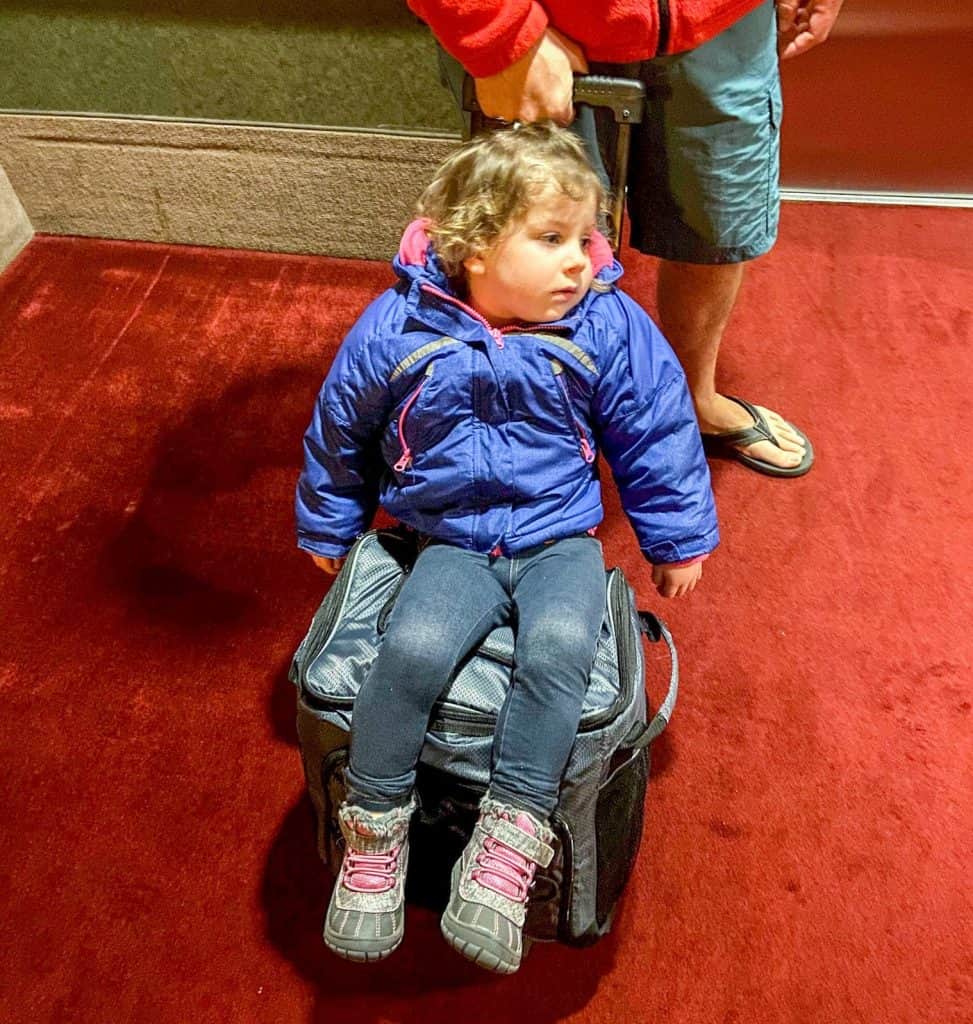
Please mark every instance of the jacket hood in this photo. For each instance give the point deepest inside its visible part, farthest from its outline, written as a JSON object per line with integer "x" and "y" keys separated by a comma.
{"x": 421, "y": 272}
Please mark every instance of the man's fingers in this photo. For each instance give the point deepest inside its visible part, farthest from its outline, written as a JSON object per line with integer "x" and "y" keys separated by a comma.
{"x": 801, "y": 43}
{"x": 804, "y": 24}
{"x": 574, "y": 53}
{"x": 786, "y": 15}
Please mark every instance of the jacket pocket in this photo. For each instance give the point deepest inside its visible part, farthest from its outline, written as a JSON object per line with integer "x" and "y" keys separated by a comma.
{"x": 584, "y": 445}
{"x": 406, "y": 451}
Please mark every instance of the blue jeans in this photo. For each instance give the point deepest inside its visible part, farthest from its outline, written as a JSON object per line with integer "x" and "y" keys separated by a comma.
{"x": 554, "y": 598}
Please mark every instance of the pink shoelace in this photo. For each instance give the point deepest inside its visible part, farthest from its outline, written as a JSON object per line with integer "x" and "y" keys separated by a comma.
{"x": 371, "y": 872}
{"x": 504, "y": 870}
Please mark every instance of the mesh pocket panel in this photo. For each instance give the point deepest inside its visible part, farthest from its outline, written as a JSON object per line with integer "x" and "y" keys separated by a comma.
{"x": 618, "y": 816}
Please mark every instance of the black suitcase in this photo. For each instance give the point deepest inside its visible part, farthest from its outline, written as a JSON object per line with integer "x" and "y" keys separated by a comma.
{"x": 598, "y": 821}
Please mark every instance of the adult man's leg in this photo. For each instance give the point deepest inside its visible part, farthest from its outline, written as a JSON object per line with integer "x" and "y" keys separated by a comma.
{"x": 703, "y": 197}
{"x": 695, "y": 302}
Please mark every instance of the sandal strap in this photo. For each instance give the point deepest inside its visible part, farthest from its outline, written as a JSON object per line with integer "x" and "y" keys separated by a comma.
{"x": 759, "y": 430}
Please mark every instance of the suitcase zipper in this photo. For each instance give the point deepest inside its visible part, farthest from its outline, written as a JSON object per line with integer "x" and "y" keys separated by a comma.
{"x": 323, "y": 623}
{"x": 449, "y": 718}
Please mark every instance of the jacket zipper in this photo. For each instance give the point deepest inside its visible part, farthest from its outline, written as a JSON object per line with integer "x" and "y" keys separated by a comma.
{"x": 495, "y": 332}
{"x": 665, "y": 26}
{"x": 405, "y": 459}
{"x": 587, "y": 452}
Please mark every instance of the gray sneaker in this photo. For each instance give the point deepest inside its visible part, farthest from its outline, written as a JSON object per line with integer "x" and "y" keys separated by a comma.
{"x": 491, "y": 881}
{"x": 366, "y": 915}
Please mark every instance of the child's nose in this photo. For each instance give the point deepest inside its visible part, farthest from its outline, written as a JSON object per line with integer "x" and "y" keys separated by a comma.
{"x": 576, "y": 257}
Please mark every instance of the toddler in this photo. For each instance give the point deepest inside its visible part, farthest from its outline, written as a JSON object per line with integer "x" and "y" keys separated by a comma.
{"x": 470, "y": 400}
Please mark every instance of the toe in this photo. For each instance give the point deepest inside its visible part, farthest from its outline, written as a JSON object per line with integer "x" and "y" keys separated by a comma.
{"x": 770, "y": 453}
{"x": 787, "y": 437}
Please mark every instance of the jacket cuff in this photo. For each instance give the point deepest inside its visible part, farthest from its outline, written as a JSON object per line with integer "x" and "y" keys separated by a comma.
{"x": 323, "y": 548}
{"x": 683, "y": 563}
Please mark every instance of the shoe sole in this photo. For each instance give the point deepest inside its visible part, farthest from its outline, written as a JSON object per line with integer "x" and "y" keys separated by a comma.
{"x": 361, "y": 956}
{"x": 469, "y": 944}
{"x": 480, "y": 955}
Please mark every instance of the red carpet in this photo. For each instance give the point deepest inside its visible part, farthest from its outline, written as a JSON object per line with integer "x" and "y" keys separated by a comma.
{"x": 808, "y": 845}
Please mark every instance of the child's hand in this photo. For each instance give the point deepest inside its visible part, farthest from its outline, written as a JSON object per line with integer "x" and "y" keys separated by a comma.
{"x": 329, "y": 565}
{"x": 676, "y": 580}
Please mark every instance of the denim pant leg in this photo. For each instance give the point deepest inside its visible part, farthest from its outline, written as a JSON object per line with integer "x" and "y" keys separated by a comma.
{"x": 559, "y": 605}
{"x": 448, "y": 604}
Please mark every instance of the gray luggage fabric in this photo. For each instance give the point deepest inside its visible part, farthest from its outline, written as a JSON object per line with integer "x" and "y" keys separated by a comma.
{"x": 598, "y": 821}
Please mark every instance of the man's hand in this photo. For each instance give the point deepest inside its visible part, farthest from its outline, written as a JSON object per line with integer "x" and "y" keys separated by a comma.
{"x": 539, "y": 86}
{"x": 802, "y": 24}
{"x": 330, "y": 565}
{"x": 676, "y": 580}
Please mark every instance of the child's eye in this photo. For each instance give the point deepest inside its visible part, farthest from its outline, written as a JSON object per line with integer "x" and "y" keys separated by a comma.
{"x": 551, "y": 238}
{"x": 585, "y": 243}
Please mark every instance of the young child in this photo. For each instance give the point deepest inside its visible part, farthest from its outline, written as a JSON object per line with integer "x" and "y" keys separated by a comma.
{"x": 470, "y": 401}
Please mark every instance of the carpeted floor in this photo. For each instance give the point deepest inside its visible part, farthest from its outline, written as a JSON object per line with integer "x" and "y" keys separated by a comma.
{"x": 809, "y": 830}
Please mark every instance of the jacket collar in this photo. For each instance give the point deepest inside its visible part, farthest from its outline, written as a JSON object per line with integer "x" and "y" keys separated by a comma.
{"x": 431, "y": 300}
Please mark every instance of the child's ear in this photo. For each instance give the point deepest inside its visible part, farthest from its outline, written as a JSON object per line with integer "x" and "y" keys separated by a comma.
{"x": 474, "y": 265}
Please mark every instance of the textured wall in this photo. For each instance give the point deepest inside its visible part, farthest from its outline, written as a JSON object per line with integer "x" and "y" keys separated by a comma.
{"x": 339, "y": 193}
{"x": 360, "y": 63}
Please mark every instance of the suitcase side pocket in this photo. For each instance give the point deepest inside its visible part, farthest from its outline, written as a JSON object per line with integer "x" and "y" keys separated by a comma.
{"x": 619, "y": 815}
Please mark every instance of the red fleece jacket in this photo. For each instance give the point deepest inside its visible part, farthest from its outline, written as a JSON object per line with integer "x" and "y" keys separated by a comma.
{"x": 486, "y": 36}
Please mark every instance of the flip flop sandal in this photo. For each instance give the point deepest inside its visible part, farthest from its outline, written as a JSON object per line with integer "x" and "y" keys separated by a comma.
{"x": 726, "y": 445}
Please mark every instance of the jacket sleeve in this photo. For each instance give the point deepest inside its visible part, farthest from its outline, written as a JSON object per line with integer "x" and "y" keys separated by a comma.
{"x": 485, "y": 36}
{"x": 337, "y": 491}
{"x": 647, "y": 428}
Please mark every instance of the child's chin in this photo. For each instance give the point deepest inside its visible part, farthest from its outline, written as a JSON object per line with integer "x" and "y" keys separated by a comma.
{"x": 559, "y": 310}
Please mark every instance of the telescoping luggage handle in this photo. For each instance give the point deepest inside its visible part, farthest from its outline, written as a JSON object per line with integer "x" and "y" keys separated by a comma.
{"x": 624, "y": 97}
{"x": 655, "y": 629}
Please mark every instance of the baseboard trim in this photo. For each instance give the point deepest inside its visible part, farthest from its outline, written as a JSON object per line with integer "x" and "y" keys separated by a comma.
{"x": 282, "y": 189}
{"x": 811, "y": 195}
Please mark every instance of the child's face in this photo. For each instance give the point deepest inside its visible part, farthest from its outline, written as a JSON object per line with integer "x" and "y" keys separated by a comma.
{"x": 539, "y": 269}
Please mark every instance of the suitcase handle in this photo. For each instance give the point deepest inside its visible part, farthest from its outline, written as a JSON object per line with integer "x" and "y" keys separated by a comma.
{"x": 625, "y": 97}
{"x": 655, "y": 629}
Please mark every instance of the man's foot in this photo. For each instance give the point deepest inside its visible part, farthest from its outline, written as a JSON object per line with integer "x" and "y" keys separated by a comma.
{"x": 366, "y": 915}
{"x": 490, "y": 884}
{"x": 757, "y": 437}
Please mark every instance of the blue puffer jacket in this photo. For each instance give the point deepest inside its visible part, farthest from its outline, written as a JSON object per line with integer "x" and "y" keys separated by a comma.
{"x": 487, "y": 438}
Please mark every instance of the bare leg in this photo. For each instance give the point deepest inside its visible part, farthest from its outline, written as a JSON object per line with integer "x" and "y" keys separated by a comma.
{"x": 695, "y": 302}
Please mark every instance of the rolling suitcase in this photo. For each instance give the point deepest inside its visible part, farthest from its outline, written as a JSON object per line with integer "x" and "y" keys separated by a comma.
{"x": 598, "y": 821}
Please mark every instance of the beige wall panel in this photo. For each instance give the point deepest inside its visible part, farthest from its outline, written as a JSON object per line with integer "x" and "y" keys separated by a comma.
{"x": 15, "y": 227}
{"x": 338, "y": 193}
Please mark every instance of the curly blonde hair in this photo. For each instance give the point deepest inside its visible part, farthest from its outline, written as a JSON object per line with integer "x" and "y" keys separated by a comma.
{"x": 491, "y": 180}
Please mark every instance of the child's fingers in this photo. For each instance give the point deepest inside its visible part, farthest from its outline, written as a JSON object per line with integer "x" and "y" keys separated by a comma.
{"x": 329, "y": 565}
